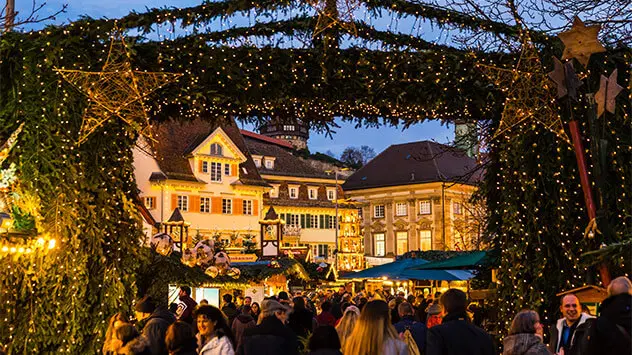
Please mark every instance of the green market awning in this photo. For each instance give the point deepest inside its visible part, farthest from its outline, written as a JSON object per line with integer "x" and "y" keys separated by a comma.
{"x": 391, "y": 271}
{"x": 471, "y": 260}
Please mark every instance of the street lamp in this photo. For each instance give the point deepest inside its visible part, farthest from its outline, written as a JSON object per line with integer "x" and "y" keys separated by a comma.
{"x": 336, "y": 223}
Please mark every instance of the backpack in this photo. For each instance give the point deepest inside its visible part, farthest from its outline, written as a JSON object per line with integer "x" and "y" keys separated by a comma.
{"x": 407, "y": 337}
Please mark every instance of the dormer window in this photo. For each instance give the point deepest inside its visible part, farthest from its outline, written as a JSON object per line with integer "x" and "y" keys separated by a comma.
{"x": 257, "y": 162}
{"x": 269, "y": 164}
{"x": 288, "y": 127}
{"x": 216, "y": 149}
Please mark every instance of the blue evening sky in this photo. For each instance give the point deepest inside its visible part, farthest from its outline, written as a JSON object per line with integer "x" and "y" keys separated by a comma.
{"x": 377, "y": 138}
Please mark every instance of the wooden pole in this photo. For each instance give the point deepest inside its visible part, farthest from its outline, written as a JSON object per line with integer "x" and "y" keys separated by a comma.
{"x": 9, "y": 15}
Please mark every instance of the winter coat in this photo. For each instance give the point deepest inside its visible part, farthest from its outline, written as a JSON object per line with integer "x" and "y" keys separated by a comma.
{"x": 155, "y": 329}
{"x": 610, "y": 333}
{"x": 185, "y": 309}
{"x": 417, "y": 330}
{"x": 138, "y": 346}
{"x": 300, "y": 321}
{"x": 240, "y": 324}
{"x": 556, "y": 334}
{"x": 230, "y": 311}
{"x": 270, "y": 337}
{"x": 326, "y": 352}
{"x": 457, "y": 336}
{"x": 524, "y": 344}
{"x": 216, "y": 346}
{"x": 326, "y": 318}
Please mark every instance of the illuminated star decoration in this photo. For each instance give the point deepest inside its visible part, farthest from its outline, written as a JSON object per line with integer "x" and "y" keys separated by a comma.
{"x": 116, "y": 91}
{"x": 327, "y": 19}
{"x": 565, "y": 78}
{"x": 8, "y": 145}
{"x": 580, "y": 42}
{"x": 528, "y": 96}
{"x": 607, "y": 94}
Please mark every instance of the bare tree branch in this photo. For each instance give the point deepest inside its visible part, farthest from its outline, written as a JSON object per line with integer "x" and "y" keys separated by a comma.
{"x": 32, "y": 17}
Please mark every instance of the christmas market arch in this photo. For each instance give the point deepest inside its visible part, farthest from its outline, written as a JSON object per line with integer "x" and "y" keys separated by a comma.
{"x": 69, "y": 174}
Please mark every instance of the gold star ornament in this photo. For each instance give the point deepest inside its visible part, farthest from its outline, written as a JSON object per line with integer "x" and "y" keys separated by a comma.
{"x": 341, "y": 15}
{"x": 580, "y": 42}
{"x": 607, "y": 95}
{"x": 117, "y": 91}
{"x": 528, "y": 96}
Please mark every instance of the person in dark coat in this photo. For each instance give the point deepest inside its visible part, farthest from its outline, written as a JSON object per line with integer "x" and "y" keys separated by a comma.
{"x": 180, "y": 339}
{"x": 408, "y": 322}
{"x": 325, "y": 317}
{"x": 456, "y": 335}
{"x": 229, "y": 309}
{"x": 610, "y": 332}
{"x": 271, "y": 336}
{"x": 132, "y": 343}
{"x": 324, "y": 341}
{"x": 241, "y": 323}
{"x": 156, "y": 320}
{"x": 300, "y": 321}
{"x": 184, "y": 312}
{"x": 568, "y": 330}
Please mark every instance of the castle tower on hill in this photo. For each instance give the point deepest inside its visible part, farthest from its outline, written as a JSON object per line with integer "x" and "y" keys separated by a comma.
{"x": 296, "y": 132}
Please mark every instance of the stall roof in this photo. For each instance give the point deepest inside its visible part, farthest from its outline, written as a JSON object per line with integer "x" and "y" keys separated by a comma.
{"x": 463, "y": 261}
{"x": 440, "y": 275}
{"x": 391, "y": 270}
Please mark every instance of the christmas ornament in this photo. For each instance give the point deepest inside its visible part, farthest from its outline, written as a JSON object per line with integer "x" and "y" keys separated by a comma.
{"x": 528, "y": 95}
{"x": 581, "y": 41}
{"x": 212, "y": 271}
{"x": 607, "y": 95}
{"x": 204, "y": 252}
{"x": 565, "y": 78}
{"x": 162, "y": 243}
{"x": 188, "y": 258}
{"x": 341, "y": 15}
{"x": 117, "y": 91}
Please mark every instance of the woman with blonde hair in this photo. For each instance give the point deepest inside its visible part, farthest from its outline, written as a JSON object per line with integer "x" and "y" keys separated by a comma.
{"x": 347, "y": 324}
{"x": 374, "y": 334}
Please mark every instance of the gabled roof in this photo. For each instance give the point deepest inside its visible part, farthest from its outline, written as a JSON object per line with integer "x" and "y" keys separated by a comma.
{"x": 261, "y": 137}
{"x": 175, "y": 140}
{"x": 415, "y": 163}
{"x": 285, "y": 163}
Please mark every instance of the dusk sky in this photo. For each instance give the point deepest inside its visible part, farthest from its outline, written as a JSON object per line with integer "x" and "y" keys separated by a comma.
{"x": 377, "y": 138}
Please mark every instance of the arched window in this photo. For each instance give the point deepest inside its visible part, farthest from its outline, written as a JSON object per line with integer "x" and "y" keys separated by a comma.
{"x": 216, "y": 149}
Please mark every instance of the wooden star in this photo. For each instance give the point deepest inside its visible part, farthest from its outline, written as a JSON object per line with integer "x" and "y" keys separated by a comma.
{"x": 607, "y": 95}
{"x": 528, "y": 96}
{"x": 581, "y": 42}
{"x": 565, "y": 79}
{"x": 117, "y": 91}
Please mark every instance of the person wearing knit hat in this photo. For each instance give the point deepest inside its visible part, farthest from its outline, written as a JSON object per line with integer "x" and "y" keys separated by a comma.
{"x": 156, "y": 320}
{"x": 434, "y": 315}
{"x": 270, "y": 336}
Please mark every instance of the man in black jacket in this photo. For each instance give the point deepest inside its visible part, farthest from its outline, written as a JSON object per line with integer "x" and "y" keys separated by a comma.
{"x": 156, "y": 320}
{"x": 610, "y": 333}
{"x": 456, "y": 335}
{"x": 271, "y": 337}
{"x": 229, "y": 309}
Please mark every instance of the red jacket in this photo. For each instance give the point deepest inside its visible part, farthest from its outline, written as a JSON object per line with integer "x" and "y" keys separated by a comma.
{"x": 326, "y": 318}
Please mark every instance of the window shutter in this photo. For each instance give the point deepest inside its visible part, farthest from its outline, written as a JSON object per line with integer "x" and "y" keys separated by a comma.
{"x": 194, "y": 204}
{"x": 174, "y": 201}
{"x": 303, "y": 224}
{"x": 238, "y": 206}
{"x": 327, "y": 222}
{"x": 255, "y": 207}
{"x": 216, "y": 205}
{"x": 234, "y": 169}
{"x": 201, "y": 166}
{"x": 283, "y": 217}
{"x": 308, "y": 221}
{"x": 322, "y": 221}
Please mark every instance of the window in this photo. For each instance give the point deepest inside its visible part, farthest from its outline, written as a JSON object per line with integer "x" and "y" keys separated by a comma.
{"x": 313, "y": 221}
{"x": 323, "y": 250}
{"x": 216, "y": 149}
{"x": 150, "y": 203}
{"x": 293, "y": 220}
{"x": 227, "y": 169}
{"x": 401, "y": 209}
{"x": 380, "y": 244}
{"x": 274, "y": 193}
{"x": 205, "y": 204}
{"x": 288, "y": 127}
{"x": 425, "y": 240}
{"x": 402, "y": 242}
{"x": 425, "y": 207}
{"x": 378, "y": 211}
{"x": 293, "y": 192}
{"x": 247, "y": 207}
{"x": 257, "y": 162}
{"x": 360, "y": 213}
{"x": 332, "y": 221}
{"x": 183, "y": 203}
{"x": 313, "y": 193}
{"x": 227, "y": 206}
{"x": 269, "y": 164}
{"x": 216, "y": 172}
{"x": 205, "y": 167}
{"x": 456, "y": 208}
{"x": 331, "y": 195}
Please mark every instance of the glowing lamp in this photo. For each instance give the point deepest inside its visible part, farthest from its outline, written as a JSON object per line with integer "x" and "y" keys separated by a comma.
{"x": 5, "y": 221}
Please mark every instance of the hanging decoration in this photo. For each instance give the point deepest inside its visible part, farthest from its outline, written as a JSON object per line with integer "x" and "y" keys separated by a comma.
{"x": 606, "y": 97}
{"x": 162, "y": 243}
{"x": 341, "y": 16}
{"x": 528, "y": 97}
{"x": 581, "y": 42}
{"x": 117, "y": 91}
{"x": 565, "y": 79}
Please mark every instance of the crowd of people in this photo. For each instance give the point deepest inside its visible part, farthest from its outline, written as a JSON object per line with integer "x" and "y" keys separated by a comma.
{"x": 337, "y": 322}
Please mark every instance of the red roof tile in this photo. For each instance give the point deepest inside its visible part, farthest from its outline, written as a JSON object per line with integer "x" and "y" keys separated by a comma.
{"x": 261, "y": 137}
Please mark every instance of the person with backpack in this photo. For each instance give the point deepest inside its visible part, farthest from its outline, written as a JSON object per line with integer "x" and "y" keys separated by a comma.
{"x": 413, "y": 333}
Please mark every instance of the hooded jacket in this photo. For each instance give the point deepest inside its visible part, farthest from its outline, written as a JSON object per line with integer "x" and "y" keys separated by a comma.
{"x": 216, "y": 346}
{"x": 524, "y": 344}
{"x": 239, "y": 326}
{"x": 556, "y": 333}
{"x": 155, "y": 329}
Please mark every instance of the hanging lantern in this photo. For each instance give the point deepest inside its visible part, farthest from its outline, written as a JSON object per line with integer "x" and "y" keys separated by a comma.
{"x": 162, "y": 244}
{"x": 188, "y": 258}
{"x": 204, "y": 252}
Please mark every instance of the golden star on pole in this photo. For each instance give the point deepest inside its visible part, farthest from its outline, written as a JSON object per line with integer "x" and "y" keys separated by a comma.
{"x": 342, "y": 15}
{"x": 116, "y": 91}
{"x": 529, "y": 97}
{"x": 580, "y": 42}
